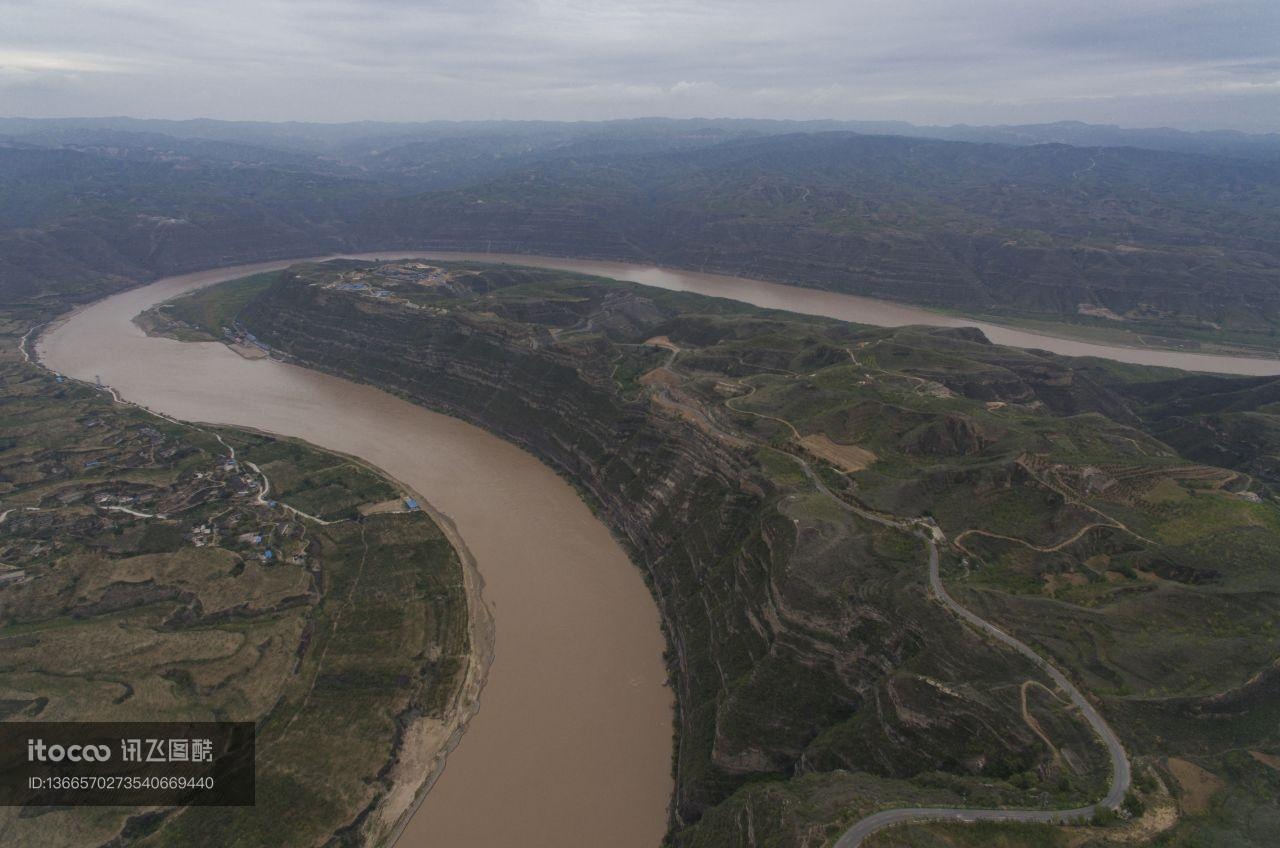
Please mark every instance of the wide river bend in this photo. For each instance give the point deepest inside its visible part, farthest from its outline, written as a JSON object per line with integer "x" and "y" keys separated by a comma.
{"x": 572, "y": 744}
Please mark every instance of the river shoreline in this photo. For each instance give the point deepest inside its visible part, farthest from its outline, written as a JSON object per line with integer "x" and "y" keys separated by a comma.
{"x": 435, "y": 744}
{"x": 855, "y": 309}
{"x": 407, "y": 826}
{"x": 577, "y": 752}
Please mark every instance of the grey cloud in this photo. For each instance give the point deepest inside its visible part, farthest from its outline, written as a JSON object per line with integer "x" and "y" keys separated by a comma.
{"x": 1179, "y": 62}
{"x": 1215, "y": 31}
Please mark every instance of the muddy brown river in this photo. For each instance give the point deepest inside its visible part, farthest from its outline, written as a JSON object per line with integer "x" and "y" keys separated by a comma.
{"x": 867, "y": 310}
{"x": 572, "y": 743}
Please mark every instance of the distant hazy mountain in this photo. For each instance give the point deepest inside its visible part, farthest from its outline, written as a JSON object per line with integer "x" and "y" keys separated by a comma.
{"x": 358, "y": 140}
{"x": 77, "y": 223}
{"x": 1041, "y": 229}
{"x": 1011, "y": 219}
{"x": 1216, "y": 142}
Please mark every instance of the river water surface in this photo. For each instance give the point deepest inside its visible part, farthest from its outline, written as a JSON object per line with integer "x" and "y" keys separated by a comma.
{"x": 572, "y": 743}
{"x": 867, "y": 310}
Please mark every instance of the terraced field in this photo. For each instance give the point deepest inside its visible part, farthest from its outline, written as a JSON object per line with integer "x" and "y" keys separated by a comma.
{"x": 817, "y": 682}
{"x": 157, "y": 571}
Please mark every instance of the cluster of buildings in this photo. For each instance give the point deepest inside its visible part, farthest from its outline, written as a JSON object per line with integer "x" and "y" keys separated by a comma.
{"x": 366, "y": 282}
{"x": 417, "y": 273}
{"x": 362, "y": 288}
{"x": 239, "y": 335}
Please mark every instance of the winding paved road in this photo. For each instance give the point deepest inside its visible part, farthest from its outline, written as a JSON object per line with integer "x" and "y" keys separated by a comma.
{"x": 763, "y": 294}
{"x": 1120, "y": 773}
{"x": 1120, "y": 776}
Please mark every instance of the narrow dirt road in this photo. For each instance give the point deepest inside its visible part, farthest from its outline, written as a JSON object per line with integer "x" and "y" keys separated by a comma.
{"x": 1120, "y": 774}
{"x": 1120, "y": 771}
{"x": 932, "y": 534}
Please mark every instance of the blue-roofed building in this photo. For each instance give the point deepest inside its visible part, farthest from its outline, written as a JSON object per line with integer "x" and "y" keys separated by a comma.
{"x": 411, "y": 504}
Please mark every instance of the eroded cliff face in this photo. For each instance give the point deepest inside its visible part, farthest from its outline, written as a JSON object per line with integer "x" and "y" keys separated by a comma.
{"x": 801, "y": 639}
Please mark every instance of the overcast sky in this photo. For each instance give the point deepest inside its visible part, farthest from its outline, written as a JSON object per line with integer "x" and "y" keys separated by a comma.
{"x": 1179, "y": 63}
